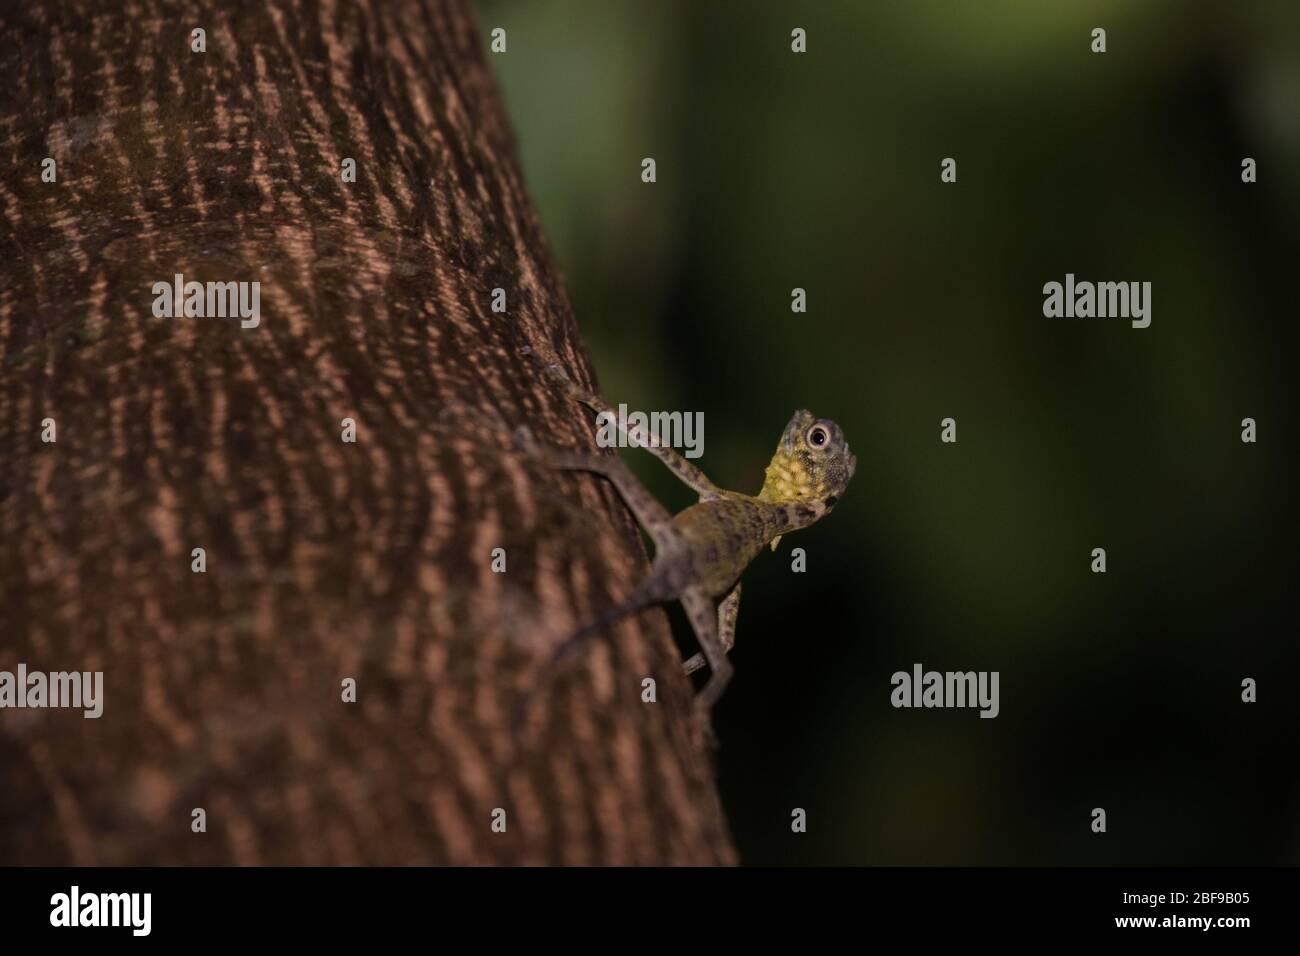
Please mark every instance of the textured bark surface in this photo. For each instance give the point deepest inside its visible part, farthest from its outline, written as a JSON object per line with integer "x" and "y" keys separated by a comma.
{"x": 325, "y": 560}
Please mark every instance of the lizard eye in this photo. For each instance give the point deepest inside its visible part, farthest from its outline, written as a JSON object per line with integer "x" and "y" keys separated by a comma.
{"x": 818, "y": 436}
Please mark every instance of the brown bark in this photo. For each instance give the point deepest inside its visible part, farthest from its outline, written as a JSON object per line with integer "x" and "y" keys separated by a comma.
{"x": 325, "y": 560}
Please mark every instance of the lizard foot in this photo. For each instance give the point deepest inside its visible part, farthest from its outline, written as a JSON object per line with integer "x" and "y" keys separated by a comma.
{"x": 704, "y": 720}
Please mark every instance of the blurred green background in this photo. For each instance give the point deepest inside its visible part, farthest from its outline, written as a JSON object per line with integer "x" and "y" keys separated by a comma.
{"x": 821, "y": 171}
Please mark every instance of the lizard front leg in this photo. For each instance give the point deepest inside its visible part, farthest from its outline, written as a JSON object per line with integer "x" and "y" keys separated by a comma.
{"x": 651, "y": 515}
{"x": 687, "y": 473}
{"x": 727, "y": 612}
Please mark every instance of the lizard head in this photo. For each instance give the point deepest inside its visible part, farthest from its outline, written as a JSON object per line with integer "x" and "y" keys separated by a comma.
{"x": 812, "y": 463}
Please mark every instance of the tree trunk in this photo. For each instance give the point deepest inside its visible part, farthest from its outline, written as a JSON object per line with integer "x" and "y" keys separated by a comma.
{"x": 223, "y": 689}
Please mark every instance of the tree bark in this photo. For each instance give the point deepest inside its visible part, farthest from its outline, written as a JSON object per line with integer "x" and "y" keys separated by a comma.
{"x": 325, "y": 560}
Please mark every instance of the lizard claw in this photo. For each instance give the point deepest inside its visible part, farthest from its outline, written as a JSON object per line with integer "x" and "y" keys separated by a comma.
{"x": 556, "y": 373}
{"x": 524, "y": 440}
{"x": 550, "y": 368}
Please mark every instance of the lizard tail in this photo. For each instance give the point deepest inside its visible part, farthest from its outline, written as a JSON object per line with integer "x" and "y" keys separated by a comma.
{"x": 568, "y": 649}
{"x": 576, "y": 641}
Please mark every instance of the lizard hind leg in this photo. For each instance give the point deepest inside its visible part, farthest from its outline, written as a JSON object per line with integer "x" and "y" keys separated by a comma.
{"x": 700, "y": 612}
{"x": 727, "y": 613}
{"x": 656, "y": 521}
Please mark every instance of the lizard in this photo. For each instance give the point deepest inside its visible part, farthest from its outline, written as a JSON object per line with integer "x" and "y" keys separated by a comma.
{"x": 701, "y": 552}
